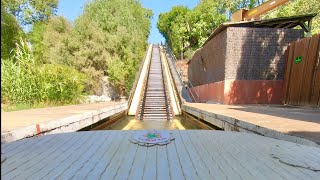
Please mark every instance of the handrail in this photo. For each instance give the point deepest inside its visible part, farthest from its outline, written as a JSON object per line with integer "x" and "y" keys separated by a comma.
{"x": 174, "y": 59}
{"x": 138, "y": 73}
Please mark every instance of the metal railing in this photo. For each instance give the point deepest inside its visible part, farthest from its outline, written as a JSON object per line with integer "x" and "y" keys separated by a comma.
{"x": 188, "y": 84}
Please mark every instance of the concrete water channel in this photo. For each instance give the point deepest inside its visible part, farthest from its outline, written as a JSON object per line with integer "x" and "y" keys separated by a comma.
{"x": 130, "y": 123}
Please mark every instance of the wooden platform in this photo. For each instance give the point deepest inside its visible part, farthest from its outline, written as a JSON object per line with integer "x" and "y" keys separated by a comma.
{"x": 194, "y": 154}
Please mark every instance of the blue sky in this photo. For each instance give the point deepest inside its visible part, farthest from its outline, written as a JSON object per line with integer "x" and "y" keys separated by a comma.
{"x": 72, "y": 9}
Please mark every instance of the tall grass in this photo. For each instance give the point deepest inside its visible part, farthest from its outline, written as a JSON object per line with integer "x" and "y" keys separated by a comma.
{"x": 24, "y": 81}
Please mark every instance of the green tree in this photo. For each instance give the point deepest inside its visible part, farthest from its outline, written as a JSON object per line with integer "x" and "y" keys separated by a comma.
{"x": 122, "y": 32}
{"x": 298, "y": 7}
{"x": 10, "y": 33}
{"x": 30, "y": 11}
{"x": 55, "y": 41}
{"x": 105, "y": 40}
{"x": 173, "y": 25}
{"x": 186, "y": 29}
{"x": 36, "y": 38}
{"x": 204, "y": 18}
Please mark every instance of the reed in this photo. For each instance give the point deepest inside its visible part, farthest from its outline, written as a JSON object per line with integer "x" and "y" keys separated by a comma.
{"x": 24, "y": 81}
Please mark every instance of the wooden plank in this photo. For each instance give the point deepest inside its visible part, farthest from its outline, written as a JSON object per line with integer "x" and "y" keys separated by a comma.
{"x": 250, "y": 161}
{"x": 56, "y": 161}
{"x": 83, "y": 158}
{"x": 163, "y": 171}
{"x": 214, "y": 168}
{"x": 20, "y": 151}
{"x": 302, "y": 82}
{"x": 288, "y": 71}
{"x": 50, "y": 156}
{"x": 150, "y": 169}
{"x": 9, "y": 147}
{"x": 315, "y": 91}
{"x": 215, "y": 153}
{"x": 294, "y": 153}
{"x": 126, "y": 163}
{"x": 201, "y": 169}
{"x": 232, "y": 163}
{"x": 136, "y": 172}
{"x": 55, "y": 173}
{"x": 106, "y": 158}
{"x": 11, "y": 166}
{"x": 174, "y": 162}
{"x": 66, "y": 160}
{"x": 264, "y": 156}
{"x": 188, "y": 168}
{"x": 298, "y": 71}
{"x": 263, "y": 162}
{"x": 115, "y": 163}
{"x": 18, "y": 147}
{"x": 88, "y": 166}
{"x": 310, "y": 153}
{"x": 311, "y": 55}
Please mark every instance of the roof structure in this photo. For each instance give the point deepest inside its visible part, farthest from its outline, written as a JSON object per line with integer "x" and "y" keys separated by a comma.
{"x": 282, "y": 22}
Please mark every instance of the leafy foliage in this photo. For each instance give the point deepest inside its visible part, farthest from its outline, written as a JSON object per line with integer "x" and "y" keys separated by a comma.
{"x": 105, "y": 39}
{"x": 36, "y": 39}
{"x": 10, "y": 32}
{"x": 65, "y": 59}
{"x": 24, "y": 81}
{"x": 174, "y": 26}
{"x": 299, "y": 7}
{"x": 30, "y": 11}
{"x": 55, "y": 41}
{"x": 124, "y": 32}
{"x": 186, "y": 29}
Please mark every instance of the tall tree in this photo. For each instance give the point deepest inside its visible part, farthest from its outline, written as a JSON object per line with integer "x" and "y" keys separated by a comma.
{"x": 30, "y": 11}
{"x": 173, "y": 25}
{"x": 10, "y": 32}
{"x": 55, "y": 41}
{"x": 105, "y": 39}
{"x": 204, "y": 18}
{"x": 299, "y": 7}
{"x": 125, "y": 31}
{"x": 186, "y": 29}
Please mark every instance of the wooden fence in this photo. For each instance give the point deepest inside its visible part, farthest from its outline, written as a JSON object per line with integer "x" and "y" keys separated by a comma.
{"x": 302, "y": 72}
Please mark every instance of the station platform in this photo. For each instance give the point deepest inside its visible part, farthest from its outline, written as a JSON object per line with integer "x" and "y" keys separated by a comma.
{"x": 193, "y": 154}
{"x": 25, "y": 123}
{"x": 295, "y": 124}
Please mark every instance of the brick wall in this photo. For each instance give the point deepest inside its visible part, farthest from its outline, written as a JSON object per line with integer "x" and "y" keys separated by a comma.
{"x": 207, "y": 64}
{"x": 257, "y": 53}
{"x": 242, "y": 53}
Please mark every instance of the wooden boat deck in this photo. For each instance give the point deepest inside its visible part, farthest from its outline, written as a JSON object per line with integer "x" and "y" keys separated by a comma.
{"x": 194, "y": 154}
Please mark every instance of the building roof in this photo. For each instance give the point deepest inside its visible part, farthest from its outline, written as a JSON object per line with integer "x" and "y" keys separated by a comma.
{"x": 282, "y": 22}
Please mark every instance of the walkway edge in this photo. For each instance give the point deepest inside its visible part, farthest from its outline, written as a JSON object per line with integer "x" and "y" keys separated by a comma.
{"x": 67, "y": 124}
{"x": 232, "y": 124}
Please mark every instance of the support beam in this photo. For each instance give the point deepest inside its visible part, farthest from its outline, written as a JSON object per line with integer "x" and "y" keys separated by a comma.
{"x": 304, "y": 27}
{"x": 245, "y": 15}
{"x": 310, "y": 28}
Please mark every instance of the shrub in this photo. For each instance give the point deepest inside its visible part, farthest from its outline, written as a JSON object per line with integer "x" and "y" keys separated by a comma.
{"x": 24, "y": 81}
